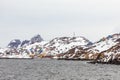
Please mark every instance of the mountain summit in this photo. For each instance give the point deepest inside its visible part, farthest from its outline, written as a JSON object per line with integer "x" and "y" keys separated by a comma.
{"x": 63, "y": 44}
{"x": 36, "y": 38}
{"x": 14, "y": 43}
{"x": 18, "y": 43}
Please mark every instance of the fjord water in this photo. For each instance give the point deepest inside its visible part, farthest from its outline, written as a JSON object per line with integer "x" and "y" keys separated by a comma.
{"x": 48, "y": 69}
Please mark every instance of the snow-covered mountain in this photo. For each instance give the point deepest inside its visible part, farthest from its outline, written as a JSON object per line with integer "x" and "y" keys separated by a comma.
{"x": 111, "y": 55}
{"x": 63, "y": 44}
{"x": 106, "y": 49}
{"x": 105, "y": 43}
{"x": 92, "y": 51}
{"x": 32, "y": 46}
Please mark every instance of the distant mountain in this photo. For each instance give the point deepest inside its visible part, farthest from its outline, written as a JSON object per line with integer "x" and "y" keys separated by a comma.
{"x": 14, "y": 43}
{"x": 17, "y": 43}
{"x": 36, "y": 38}
{"x": 63, "y": 44}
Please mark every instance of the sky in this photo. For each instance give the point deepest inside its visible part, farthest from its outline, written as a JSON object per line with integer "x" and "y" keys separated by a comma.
{"x": 93, "y": 19}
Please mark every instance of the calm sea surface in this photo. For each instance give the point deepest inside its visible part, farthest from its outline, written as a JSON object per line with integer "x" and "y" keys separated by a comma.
{"x": 47, "y": 69}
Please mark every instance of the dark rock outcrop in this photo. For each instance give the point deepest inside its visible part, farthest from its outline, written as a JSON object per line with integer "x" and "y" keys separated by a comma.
{"x": 14, "y": 43}
{"x": 36, "y": 38}
{"x": 25, "y": 43}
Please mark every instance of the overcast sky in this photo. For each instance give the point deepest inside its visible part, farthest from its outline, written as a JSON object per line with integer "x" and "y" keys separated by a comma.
{"x": 93, "y": 19}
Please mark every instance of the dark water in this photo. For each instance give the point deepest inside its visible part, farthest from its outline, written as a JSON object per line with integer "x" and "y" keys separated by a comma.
{"x": 47, "y": 69}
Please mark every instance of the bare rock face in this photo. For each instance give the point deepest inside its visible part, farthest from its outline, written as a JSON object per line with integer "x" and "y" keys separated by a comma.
{"x": 36, "y": 38}
{"x": 14, "y": 43}
{"x": 17, "y": 43}
{"x": 25, "y": 43}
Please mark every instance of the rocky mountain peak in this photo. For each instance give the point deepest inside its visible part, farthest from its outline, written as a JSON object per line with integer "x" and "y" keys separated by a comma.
{"x": 14, "y": 43}
{"x": 36, "y": 38}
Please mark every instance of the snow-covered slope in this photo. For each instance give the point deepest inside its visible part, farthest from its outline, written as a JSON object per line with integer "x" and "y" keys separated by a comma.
{"x": 112, "y": 55}
{"x": 32, "y": 46}
{"x": 31, "y": 49}
{"x": 92, "y": 51}
{"x": 74, "y": 53}
{"x": 3, "y": 50}
{"x": 105, "y": 43}
{"x": 63, "y": 44}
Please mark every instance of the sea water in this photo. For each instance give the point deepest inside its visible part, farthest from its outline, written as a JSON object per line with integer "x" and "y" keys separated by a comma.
{"x": 48, "y": 69}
